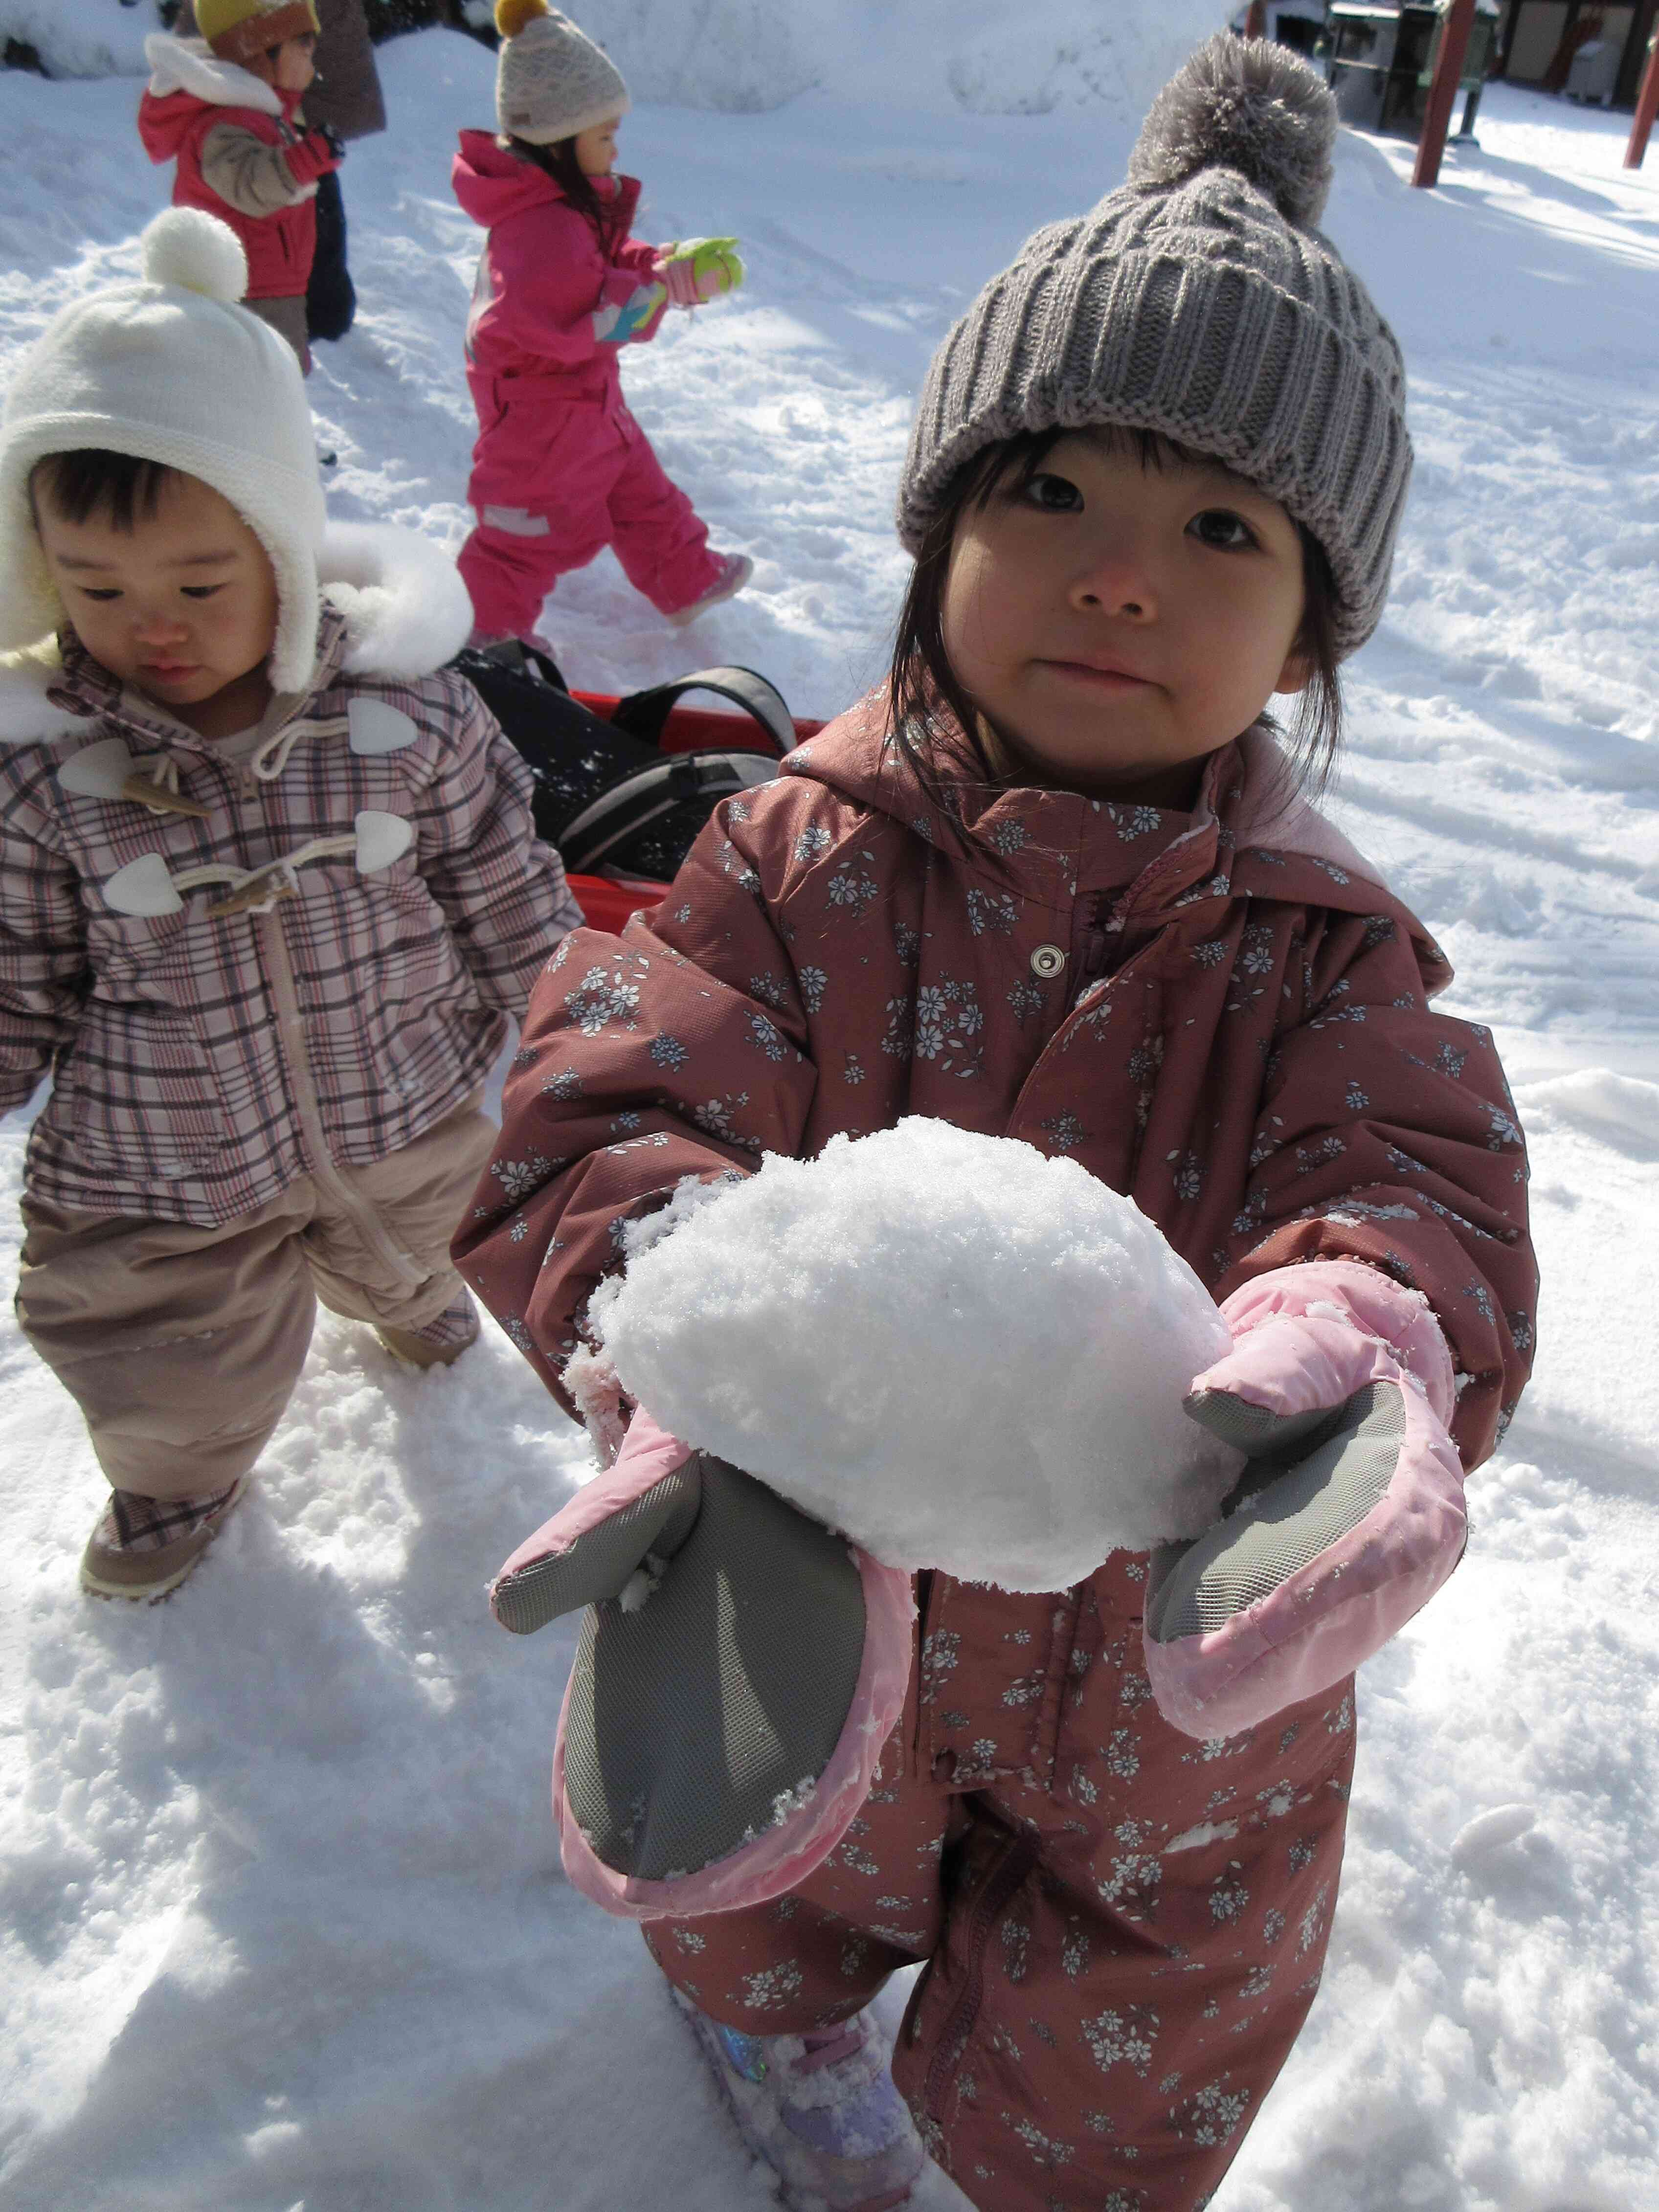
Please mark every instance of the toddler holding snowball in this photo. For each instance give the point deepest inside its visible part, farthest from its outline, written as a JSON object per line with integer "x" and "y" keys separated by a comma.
{"x": 562, "y": 469}
{"x": 1056, "y": 883}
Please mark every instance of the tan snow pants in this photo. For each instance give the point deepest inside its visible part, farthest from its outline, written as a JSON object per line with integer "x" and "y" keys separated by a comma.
{"x": 181, "y": 1344}
{"x": 1122, "y": 1928}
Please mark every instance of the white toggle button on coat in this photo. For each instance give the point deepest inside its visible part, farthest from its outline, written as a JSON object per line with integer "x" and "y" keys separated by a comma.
{"x": 381, "y": 838}
{"x": 143, "y": 886}
{"x": 373, "y": 727}
{"x": 98, "y": 771}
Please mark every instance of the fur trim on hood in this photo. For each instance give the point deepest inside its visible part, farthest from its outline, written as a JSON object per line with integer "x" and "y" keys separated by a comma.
{"x": 191, "y": 65}
{"x": 26, "y": 715}
{"x": 405, "y": 610}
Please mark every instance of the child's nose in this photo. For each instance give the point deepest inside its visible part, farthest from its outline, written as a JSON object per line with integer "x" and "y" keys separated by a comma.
{"x": 1118, "y": 582}
{"x": 155, "y": 626}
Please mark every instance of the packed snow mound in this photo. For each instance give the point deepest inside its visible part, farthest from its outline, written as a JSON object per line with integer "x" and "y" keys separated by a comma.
{"x": 965, "y": 1354}
{"x": 81, "y": 38}
{"x": 929, "y": 54}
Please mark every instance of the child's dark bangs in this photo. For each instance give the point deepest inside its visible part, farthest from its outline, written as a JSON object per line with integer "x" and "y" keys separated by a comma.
{"x": 1014, "y": 462}
{"x": 78, "y": 484}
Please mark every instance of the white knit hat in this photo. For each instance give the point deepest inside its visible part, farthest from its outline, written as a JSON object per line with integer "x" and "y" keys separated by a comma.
{"x": 551, "y": 81}
{"x": 171, "y": 369}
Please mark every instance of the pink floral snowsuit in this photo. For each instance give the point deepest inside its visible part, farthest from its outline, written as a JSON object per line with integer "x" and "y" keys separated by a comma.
{"x": 1224, "y": 1014}
{"x": 561, "y": 469}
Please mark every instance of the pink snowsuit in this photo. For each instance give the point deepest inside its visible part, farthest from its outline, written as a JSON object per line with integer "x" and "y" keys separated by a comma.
{"x": 561, "y": 469}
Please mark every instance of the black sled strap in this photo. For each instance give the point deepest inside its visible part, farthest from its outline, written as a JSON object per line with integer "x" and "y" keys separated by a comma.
{"x": 645, "y": 713}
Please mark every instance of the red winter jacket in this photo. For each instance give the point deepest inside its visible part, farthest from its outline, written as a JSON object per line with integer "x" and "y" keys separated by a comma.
{"x": 227, "y": 131}
{"x": 1225, "y": 1015}
{"x": 544, "y": 282}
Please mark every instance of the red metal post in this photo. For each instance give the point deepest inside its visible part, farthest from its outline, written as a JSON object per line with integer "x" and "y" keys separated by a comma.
{"x": 1447, "y": 70}
{"x": 1647, "y": 106}
{"x": 1255, "y": 23}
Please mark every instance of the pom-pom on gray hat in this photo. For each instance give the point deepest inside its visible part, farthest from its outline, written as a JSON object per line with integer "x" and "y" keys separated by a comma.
{"x": 1198, "y": 300}
{"x": 551, "y": 81}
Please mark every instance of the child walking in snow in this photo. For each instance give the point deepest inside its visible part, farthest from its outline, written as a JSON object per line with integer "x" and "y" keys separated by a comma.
{"x": 562, "y": 469}
{"x": 225, "y": 107}
{"x": 268, "y": 891}
{"x": 1055, "y": 882}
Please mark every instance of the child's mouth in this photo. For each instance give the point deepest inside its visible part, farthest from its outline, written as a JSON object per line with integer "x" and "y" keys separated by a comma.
{"x": 1108, "y": 679}
{"x": 168, "y": 671}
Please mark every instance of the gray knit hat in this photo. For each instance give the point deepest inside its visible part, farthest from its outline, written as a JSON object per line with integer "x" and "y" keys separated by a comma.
{"x": 1200, "y": 301}
{"x": 551, "y": 81}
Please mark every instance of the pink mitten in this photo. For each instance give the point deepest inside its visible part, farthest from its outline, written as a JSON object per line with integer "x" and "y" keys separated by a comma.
{"x": 698, "y": 269}
{"x": 1349, "y": 1517}
{"x": 739, "y": 1669}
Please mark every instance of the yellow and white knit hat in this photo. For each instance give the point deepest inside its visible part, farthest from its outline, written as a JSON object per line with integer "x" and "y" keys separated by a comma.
{"x": 170, "y": 368}
{"x": 237, "y": 29}
{"x": 551, "y": 81}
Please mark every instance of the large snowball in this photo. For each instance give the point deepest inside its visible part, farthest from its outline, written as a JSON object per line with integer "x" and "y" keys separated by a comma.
{"x": 963, "y": 1353}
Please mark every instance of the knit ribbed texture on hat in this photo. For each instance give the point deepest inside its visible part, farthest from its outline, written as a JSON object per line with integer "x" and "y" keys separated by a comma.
{"x": 1196, "y": 305}
{"x": 552, "y": 81}
{"x": 170, "y": 369}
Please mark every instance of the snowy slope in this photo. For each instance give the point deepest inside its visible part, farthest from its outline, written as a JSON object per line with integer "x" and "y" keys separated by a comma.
{"x": 81, "y": 38}
{"x": 283, "y": 1923}
{"x": 751, "y": 55}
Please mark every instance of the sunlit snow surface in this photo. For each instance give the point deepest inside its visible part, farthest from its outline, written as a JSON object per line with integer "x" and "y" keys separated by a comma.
{"x": 284, "y": 1925}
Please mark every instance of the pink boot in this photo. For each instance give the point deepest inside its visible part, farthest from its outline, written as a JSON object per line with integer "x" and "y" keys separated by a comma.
{"x": 820, "y": 2109}
{"x": 736, "y": 569}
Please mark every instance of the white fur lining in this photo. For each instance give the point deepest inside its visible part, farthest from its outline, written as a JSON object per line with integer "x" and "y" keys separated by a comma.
{"x": 407, "y": 610}
{"x": 26, "y": 715}
{"x": 191, "y": 65}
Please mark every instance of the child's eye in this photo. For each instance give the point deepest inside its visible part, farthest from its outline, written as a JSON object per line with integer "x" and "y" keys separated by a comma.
{"x": 200, "y": 591}
{"x": 1054, "y": 494}
{"x": 1220, "y": 527}
{"x": 103, "y": 592}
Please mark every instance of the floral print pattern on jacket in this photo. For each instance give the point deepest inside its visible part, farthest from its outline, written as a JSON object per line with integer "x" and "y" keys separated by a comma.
{"x": 1225, "y": 1015}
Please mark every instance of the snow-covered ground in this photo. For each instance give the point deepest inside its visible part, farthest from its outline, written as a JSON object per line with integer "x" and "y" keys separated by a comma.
{"x": 283, "y": 1923}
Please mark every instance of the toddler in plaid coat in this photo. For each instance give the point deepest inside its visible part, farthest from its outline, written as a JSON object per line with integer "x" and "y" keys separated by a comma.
{"x": 269, "y": 894}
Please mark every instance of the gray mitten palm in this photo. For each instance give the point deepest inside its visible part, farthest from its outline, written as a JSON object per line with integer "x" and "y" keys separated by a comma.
{"x": 739, "y": 1671}
{"x": 1349, "y": 1515}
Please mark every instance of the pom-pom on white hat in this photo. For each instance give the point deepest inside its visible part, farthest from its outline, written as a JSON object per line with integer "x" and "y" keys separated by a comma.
{"x": 171, "y": 368}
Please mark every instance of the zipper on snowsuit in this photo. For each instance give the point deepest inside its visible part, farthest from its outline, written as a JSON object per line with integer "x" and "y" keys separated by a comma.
{"x": 1017, "y": 1856}
{"x": 291, "y": 1030}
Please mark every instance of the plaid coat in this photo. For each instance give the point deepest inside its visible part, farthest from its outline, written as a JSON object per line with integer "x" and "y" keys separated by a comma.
{"x": 199, "y": 1059}
{"x": 1225, "y": 1015}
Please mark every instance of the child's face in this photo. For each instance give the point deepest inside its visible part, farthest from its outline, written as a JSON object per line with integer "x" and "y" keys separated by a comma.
{"x": 287, "y": 66}
{"x": 1117, "y": 621}
{"x": 182, "y": 606}
{"x": 596, "y": 150}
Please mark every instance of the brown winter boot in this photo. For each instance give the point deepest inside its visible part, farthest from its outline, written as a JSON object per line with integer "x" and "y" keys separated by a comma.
{"x": 143, "y": 1547}
{"x": 440, "y": 1342}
